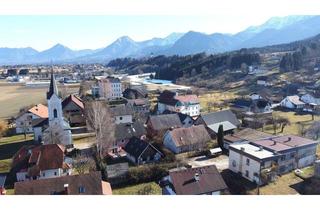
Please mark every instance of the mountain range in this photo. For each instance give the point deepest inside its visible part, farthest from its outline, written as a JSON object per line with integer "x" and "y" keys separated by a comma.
{"x": 276, "y": 30}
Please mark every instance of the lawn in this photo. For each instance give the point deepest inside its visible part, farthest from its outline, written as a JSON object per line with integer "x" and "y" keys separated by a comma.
{"x": 150, "y": 188}
{"x": 297, "y": 122}
{"x": 13, "y": 97}
{"x": 214, "y": 97}
{"x": 5, "y": 165}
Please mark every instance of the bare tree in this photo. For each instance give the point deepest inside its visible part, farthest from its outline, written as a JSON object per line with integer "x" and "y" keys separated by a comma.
{"x": 101, "y": 121}
{"x": 83, "y": 164}
{"x": 314, "y": 131}
{"x": 54, "y": 134}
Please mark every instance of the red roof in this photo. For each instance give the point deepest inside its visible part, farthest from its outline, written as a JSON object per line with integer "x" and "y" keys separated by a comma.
{"x": 74, "y": 99}
{"x": 39, "y": 158}
{"x": 39, "y": 110}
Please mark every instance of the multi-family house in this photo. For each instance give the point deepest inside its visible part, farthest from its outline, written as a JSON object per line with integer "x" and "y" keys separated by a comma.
{"x": 172, "y": 101}
{"x": 110, "y": 88}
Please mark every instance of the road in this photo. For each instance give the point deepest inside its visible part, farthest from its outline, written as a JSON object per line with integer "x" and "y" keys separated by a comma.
{"x": 221, "y": 162}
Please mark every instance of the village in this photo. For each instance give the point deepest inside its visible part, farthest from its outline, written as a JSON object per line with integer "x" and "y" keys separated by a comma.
{"x": 100, "y": 132}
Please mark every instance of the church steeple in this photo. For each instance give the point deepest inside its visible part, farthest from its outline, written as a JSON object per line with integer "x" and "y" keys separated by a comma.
{"x": 53, "y": 89}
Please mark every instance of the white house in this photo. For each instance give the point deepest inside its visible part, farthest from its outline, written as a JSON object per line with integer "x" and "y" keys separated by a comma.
{"x": 24, "y": 120}
{"x": 110, "y": 88}
{"x": 185, "y": 104}
{"x": 41, "y": 162}
{"x": 292, "y": 102}
{"x": 249, "y": 160}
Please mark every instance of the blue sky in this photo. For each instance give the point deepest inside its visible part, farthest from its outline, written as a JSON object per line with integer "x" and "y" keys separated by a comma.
{"x": 90, "y": 32}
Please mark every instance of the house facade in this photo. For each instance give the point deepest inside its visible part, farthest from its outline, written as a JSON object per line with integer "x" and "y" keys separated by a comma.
{"x": 122, "y": 114}
{"x": 73, "y": 110}
{"x": 110, "y": 88}
{"x": 24, "y": 121}
{"x": 292, "y": 102}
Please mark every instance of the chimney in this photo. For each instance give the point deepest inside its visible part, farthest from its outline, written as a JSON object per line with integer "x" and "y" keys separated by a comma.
{"x": 289, "y": 139}
{"x": 242, "y": 149}
{"x": 197, "y": 177}
{"x": 274, "y": 142}
{"x": 260, "y": 148}
{"x": 66, "y": 189}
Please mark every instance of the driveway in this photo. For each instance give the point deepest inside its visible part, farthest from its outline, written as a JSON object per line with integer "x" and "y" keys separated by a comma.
{"x": 221, "y": 162}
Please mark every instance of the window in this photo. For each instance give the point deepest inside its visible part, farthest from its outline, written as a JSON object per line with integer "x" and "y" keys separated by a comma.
{"x": 234, "y": 163}
{"x": 247, "y": 173}
{"x": 43, "y": 174}
{"x": 81, "y": 189}
{"x": 120, "y": 118}
{"x": 55, "y": 113}
{"x": 248, "y": 162}
{"x": 55, "y": 173}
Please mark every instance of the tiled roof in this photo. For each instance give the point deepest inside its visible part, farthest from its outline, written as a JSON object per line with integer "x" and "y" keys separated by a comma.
{"x": 247, "y": 134}
{"x": 189, "y": 136}
{"x": 136, "y": 147}
{"x": 39, "y": 158}
{"x": 74, "y": 99}
{"x": 295, "y": 100}
{"x": 39, "y": 110}
{"x": 165, "y": 121}
{"x": 210, "y": 181}
{"x": 90, "y": 184}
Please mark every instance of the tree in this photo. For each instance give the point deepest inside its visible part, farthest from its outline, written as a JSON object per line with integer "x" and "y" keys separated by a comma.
{"x": 3, "y": 127}
{"x": 146, "y": 190}
{"x": 220, "y": 137}
{"x": 54, "y": 134}
{"x": 83, "y": 164}
{"x": 279, "y": 121}
{"x": 314, "y": 131}
{"x": 101, "y": 121}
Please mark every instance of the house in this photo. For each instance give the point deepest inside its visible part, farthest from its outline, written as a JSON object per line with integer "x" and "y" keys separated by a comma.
{"x": 140, "y": 151}
{"x": 245, "y": 135}
{"x": 73, "y": 110}
{"x": 185, "y": 119}
{"x": 3, "y": 178}
{"x": 159, "y": 124}
{"x": 172, "y": 101}
{"x": 124, "y": 132}
{"x": 292, "y": 102}
{"x": 263, "y": 81}
{"x": 310, "y": 99}
{"x": 24, "y": 120}
{"x": 110, "y": 88}
{"x": 82, "y": 184}
{"x": 249, "y": 160}
{"x": 41, "y": 162}
{"x": 213, "y": 120}
{"x": 136, "y": 92}
{"x": 204, "y": 180}
{"x": 256, "y": 104}
{"x": 140, "y": 105}
{"x": 181, "y": 140}
{"x": 122, "y": 113}
{"x": 296, "y": 152}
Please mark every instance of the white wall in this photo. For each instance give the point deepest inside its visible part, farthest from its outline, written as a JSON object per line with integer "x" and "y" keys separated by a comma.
{"x": 21, "y": 176}
{"x": 24, "y": 122}
{"x": 123, "y": 119}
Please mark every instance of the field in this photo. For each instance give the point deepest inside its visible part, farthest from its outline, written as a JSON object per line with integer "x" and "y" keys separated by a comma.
{"x": 150, "y": 188}
{"x": 213, "y": 100}
{"x": 13, "y": 97}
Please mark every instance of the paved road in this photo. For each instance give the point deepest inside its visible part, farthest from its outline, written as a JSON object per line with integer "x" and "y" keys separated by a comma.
{"x": 221, "y": 162}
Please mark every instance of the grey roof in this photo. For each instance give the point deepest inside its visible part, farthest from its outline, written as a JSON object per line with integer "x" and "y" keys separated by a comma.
{"x": 136, "y": 147}
{"x": 120, "y": 110}
{"x": 53, "y": 89}
{"x": 221, "y": 116}
{"x": 226, "y": 126}
{"x": 165, "y": 121}
{"x": 126, "y": 131}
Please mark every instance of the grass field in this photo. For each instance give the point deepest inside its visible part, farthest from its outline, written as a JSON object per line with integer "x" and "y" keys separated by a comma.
{"x": 13, "y": 97}
{"x": 214, "y": 97}
{"x": 297, "y": 122}
{"x": 134, "y": 190}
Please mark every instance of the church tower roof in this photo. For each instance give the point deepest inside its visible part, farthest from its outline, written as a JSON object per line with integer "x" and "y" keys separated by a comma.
{"x": 53, "y": 89}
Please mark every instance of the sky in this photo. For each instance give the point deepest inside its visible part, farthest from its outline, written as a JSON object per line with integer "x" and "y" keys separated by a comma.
{"x": 94, "y": 24}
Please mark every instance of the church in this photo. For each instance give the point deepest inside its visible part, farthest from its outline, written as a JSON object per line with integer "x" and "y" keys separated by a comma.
{"x": 58, "y": 130}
